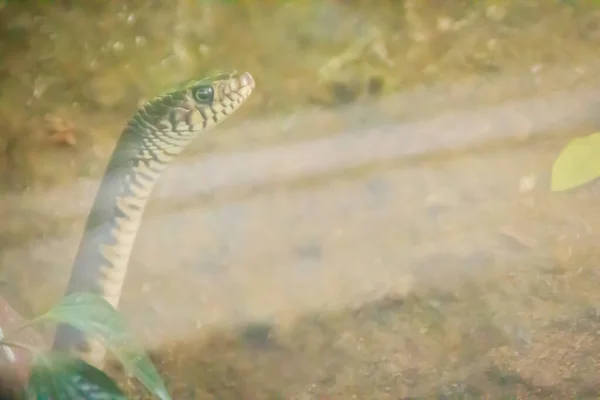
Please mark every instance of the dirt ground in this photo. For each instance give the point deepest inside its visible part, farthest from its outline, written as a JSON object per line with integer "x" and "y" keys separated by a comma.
{"x": 528, "y": 327}
{"x": 71, "y": 75}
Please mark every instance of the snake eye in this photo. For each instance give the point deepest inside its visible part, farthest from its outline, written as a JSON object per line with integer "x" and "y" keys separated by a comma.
{"x": 204, "y": 94}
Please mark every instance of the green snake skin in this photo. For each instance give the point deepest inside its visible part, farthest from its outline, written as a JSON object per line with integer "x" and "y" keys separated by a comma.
{"x": 154, "y": 136}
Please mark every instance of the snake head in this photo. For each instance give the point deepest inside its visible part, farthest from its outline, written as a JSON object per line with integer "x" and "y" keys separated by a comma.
{"x": 166, "y": 124}
{"x": 200, "y": 104}
{"x": 197, "y": 105}
{"x": 218, "y": 96}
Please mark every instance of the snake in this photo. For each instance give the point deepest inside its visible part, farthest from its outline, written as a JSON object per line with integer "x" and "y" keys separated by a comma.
{"x": 157, "y": 132}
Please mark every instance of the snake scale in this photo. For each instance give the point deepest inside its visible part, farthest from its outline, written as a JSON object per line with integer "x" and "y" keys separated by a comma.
{"x": 154, "y": 136}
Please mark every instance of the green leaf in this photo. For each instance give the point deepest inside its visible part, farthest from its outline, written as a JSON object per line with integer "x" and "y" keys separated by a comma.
{"x": 136, "y": 361}
{"x": 87, "y": 312}
{"x": 577, "y": 164}
{"x": 55, "y": 376}
{"x": 96, "y": 317}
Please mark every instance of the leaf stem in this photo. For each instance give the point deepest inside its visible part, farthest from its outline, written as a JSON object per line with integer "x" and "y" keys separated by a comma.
{"x": 18, "y": 345}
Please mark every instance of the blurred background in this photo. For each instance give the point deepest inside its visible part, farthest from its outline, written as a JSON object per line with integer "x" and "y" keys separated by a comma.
{"x": 375, "y": 222}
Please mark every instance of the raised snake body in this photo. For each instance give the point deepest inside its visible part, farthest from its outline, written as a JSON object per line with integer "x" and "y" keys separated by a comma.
{"x": 155, "y": 134}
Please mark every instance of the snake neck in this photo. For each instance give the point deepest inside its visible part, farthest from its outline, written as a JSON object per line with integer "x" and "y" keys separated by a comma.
{"x": 100, "y": 265}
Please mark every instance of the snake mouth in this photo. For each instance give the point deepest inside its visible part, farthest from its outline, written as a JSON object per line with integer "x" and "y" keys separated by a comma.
{"x": 240, "y": 85}
{"x": 231, "y": 90}
{"x": 246, "y": 80}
